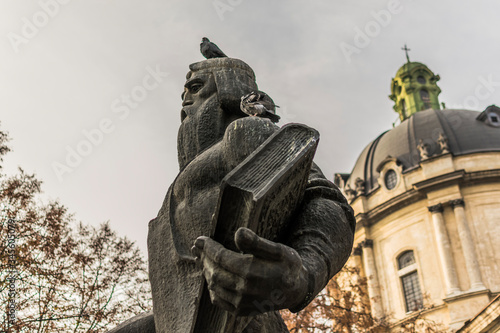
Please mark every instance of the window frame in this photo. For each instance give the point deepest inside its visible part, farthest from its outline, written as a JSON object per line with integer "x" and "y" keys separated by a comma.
{"x": 492, "y": 115}
{"x": 404, "y": 272}
{"x": 425, "y": 100}
{"x": 388, "y": 173}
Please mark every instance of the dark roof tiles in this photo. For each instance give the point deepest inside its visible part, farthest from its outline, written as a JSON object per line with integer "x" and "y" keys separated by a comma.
{"x": 464, "y": 132}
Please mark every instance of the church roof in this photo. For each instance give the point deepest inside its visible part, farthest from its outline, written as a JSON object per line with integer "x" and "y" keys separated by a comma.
{"x": 465, "y": 131}
{"x": 409, "y": 67}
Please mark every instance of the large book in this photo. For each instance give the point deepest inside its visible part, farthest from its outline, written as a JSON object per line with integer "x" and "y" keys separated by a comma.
{"x": 262, "y": 193}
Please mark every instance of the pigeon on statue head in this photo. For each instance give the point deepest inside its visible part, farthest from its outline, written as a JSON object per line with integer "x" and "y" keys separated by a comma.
{"x": 209, "y": 50}
{"x": 259, "y": 104}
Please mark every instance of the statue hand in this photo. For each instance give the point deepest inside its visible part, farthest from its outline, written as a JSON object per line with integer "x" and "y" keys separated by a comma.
{"x": 267, "y": 276}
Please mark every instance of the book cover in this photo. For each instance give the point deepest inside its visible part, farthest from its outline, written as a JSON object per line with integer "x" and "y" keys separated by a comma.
{"x": 262, "y": 194}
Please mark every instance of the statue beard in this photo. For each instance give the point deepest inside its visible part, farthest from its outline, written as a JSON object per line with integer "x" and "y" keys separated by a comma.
{"x": 201, "y": 130}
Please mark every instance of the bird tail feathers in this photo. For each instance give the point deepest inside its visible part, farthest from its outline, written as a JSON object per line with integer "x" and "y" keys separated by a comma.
{"x": 274, "y": 117}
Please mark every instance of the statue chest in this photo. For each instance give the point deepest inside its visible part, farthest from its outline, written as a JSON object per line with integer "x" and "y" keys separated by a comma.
{"x": 196, "y": 192}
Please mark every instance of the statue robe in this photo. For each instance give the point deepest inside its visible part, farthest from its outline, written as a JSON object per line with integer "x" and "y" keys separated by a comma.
{"x": 322, "y": 231}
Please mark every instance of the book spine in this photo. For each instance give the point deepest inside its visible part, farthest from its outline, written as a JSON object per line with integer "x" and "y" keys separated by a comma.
{"x": 236, "y": 210}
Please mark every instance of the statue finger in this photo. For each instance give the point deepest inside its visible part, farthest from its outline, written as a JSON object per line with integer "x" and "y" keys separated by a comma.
{"x": 199, "y": 242}
{"x": 220, "y": 302}
{"x": 226, "y": 299}
{"x": 248, "y": 242}
{"x": 222, "y": 278}
{"x": 231, "y": 261}
{"x": 196, "y": 252}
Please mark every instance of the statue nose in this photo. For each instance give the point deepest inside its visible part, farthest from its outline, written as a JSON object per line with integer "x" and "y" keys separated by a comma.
{"x": 187, "y": 98}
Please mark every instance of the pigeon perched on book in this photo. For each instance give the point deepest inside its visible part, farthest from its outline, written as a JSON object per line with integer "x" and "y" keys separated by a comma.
{"x": 209, "y": 50}
{"x": 259, "y": 104}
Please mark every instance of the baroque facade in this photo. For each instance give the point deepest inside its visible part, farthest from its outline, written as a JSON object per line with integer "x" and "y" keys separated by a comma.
{"x": 426, "y": 196}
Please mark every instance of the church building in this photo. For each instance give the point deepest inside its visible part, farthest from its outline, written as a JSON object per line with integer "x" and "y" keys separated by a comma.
{"x": 426, "y": 195}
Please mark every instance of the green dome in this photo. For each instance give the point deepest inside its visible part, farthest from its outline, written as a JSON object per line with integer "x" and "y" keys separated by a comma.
{"x": 414, "y": 89}
{"x": 409, "y": 66}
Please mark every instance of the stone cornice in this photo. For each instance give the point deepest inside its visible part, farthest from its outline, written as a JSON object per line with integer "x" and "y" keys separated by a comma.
{"x": 418, "y": 192}
{"x": 486, "y": 317}
{"x": 389, "y": 207}
{"x": 440, "y": 180}
{"x": 481, "y": 176}
{"x": 465, "y": 294}
{"x": 361, "y": 221}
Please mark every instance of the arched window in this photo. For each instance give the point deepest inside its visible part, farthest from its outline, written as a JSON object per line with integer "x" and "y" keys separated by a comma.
{"x": 403, "y": 108}
{"x": 407, "y": 271}
{"x": 424, "y": 95}
{"x": 406, "y": 259}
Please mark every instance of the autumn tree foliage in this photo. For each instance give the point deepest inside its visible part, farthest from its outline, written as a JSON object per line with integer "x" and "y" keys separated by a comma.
{"x": 343, "y": 306}
{"x": 60, "y": 276}
{"x": 419, "y": 324}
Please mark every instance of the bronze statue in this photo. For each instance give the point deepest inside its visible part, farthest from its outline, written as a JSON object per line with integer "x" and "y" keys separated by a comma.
{"x": 264, "y": 276}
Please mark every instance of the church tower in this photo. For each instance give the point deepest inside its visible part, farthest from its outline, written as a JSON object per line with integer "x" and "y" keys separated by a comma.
{"x": 414, "y": 89}
{"x": 426, "y": 196}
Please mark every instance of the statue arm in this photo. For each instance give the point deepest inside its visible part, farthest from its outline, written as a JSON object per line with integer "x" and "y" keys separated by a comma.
{"x": 322, "y": 233}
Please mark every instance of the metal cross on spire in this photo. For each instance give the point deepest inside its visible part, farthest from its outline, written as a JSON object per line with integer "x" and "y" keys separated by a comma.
{"x": 406, "y": 49}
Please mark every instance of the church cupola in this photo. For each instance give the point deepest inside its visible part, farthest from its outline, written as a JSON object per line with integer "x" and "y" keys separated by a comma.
{"x": 414, "y": 89}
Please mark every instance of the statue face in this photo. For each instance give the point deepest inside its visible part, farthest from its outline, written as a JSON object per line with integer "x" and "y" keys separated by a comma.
{"x": 197, "y": 89}
{"x": 204, "y": 115}
{"x": 203, "y": 120}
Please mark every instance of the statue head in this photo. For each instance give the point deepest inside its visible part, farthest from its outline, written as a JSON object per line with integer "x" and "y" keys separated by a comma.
{"x": 210, "y": 102}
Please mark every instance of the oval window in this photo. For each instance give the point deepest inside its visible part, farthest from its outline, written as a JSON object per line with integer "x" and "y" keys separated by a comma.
{"x": 421, "y": 79}
{"x": 391, "y": 179}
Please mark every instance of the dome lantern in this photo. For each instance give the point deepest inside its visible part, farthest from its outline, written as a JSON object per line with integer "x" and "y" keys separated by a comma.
{"x": 414, "y": 89}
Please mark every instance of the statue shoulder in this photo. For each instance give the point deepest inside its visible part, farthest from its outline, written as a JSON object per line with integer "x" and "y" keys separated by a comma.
{"x": 243, "y": 136}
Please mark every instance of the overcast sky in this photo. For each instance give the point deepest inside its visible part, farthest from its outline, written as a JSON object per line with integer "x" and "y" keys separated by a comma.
{"x": 72, "y": 67}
